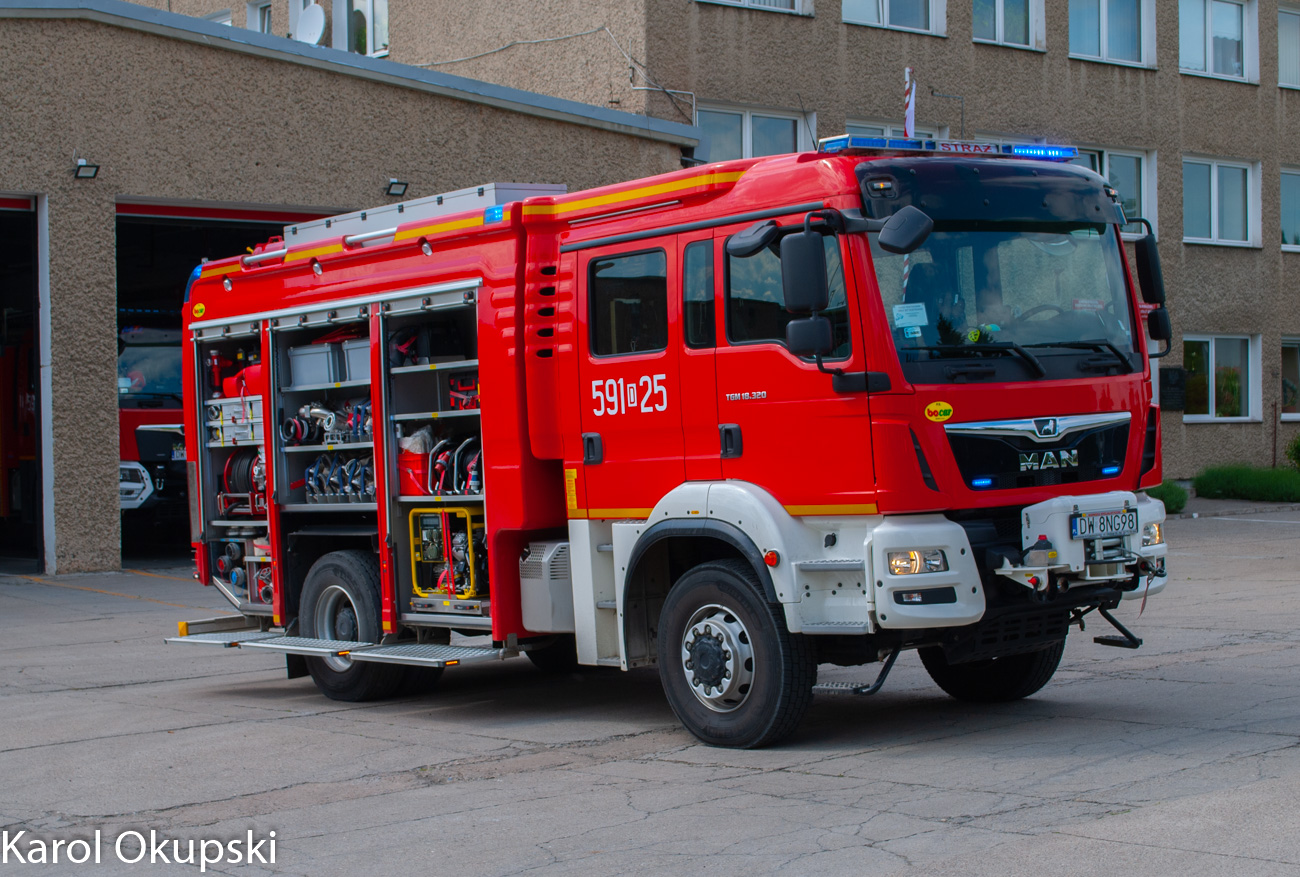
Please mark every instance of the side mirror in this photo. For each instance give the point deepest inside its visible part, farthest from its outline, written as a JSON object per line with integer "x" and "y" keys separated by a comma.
{"x": 905, "y": 230}
{"x": 803, "y": 272}
{"x": 1160, "y": 329}
{"x": 744, "y": 244}
{"x": 1151, "y": 280}
{"x": 810, "y": 336}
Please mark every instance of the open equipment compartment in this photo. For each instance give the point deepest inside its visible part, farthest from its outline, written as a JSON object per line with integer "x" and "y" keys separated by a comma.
{"x": 231, "y": 381}
{"x": 437, "y": 511}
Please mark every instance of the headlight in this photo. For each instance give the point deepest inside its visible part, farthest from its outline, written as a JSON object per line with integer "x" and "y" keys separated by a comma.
{"x": 1153, "y": 534}
{"x": 906, "y": 563}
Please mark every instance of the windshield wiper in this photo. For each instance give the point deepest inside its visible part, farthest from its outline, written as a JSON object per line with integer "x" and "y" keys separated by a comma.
{"x": 1100, "y": 345}
{"x": 987, "y": 346}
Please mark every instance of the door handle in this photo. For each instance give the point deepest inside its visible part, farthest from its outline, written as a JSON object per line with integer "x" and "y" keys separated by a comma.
{"x": 593, "y": 450}
{"x": 732, "y": 444}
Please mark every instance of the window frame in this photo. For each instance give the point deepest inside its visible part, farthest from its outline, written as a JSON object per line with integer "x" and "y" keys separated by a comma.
{"x": 1285, "y": 416}
{"x": 1253, "y": 209}
{"x": 1147, "y": 197}
{"x": 1037, "y": 28}
{"x": 253, "y": 16}
{"x": 339, "y": 28}
{"x": 938, "y": 19}
{"x": 1147, "y": 20}
{"x": 1285, "y": 9}
{"x": 801, "y": 7}
{"x": 1249, "y": 43}
{"x": 1254, "y": 380}
{"x": 1286, "y": 171}
{"x": 590, "y": 275}
{"x": 805, "y": 125}
{"x": 224, "y": 16}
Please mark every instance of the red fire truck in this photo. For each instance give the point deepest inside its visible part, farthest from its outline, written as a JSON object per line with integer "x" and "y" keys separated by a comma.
{"x": 735, "y": 421}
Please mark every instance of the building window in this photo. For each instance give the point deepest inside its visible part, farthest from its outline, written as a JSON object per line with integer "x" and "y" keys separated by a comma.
{"x": 1291, "y": 378}
{"x": 1118, "y": 31}
{"x": 886, "y": 129}
{"x": 737, "y": 133}
{"x": 1288, "y": 47}
{"x": 928, "y": 16}
{"x": 1127, "y": 172}
{"x": 258, "y": 17}
{"x": 1219, "y": 203}
{"x": 1222, "y": 377}
{"x": 361, "y": 26}
{"x": 1290, "y": 180}
{"x": 629, "y": 303}
{"x": 1009, "y": 23}
{"x": 777, "y": 5}
{"x": 1216, "y": 38}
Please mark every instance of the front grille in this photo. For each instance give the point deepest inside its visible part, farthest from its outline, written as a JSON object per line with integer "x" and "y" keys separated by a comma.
{"x": 1000, "y": 462}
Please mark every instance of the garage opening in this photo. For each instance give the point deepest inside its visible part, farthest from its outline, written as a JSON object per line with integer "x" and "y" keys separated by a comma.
{"x": 21, "y": 546}
{"x": 157, "y": 249}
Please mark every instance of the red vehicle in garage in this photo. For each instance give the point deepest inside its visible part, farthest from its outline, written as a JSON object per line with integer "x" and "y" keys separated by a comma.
{"x": 734, "y": 421}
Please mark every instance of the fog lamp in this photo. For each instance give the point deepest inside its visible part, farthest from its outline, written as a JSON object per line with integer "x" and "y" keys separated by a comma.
{"x": 1153, "y": 534}
{"x": 923, "y": 560}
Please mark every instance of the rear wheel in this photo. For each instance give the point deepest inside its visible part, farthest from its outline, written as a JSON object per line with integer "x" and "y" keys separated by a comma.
{"x": 731, "y": 671}
{"x": 995, "y": 680}
{"x": 340, "y": 601}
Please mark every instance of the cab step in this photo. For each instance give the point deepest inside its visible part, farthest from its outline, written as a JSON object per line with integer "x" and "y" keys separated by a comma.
{"x": 854, "y": 688}
{"x": 225, "y": 638}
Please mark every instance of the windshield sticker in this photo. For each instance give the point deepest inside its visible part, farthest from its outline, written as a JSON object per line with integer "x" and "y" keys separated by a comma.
{"x": 1089, "y": 304}
{"x": 912, "y": 314}
{"x": 938, "y": 411}
{"x": 912, "y": 332}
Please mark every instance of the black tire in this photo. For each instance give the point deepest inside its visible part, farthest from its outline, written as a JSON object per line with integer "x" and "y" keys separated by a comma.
{"x": 996, "y": 680}
{"x": 769, "y": 672}
{"x": 340, "y": 601}
{"x": 556, "y": 657}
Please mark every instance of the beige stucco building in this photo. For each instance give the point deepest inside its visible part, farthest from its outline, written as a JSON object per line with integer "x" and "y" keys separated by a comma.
{"x": 184, "y": 117}
{"x": 1153, "y": 90}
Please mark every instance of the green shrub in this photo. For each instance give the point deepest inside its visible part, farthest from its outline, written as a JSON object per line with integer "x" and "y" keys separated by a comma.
{"x": 1169, "y": 493}
{"x": 1293, "y": 451}
{"x": 1247, "y": 482}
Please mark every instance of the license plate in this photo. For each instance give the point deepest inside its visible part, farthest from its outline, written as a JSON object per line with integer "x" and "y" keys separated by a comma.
{"x": 178, "y": 452}
{"x": 1098, "y": 525}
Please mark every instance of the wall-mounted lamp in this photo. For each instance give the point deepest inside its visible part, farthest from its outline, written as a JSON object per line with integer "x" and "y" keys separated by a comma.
{"x": 396, "y": 188}
{"x": 84, "y": 170}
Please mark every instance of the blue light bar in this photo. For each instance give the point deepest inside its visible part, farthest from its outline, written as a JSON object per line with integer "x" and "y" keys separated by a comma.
{"x": 1110, "y": 470}
{"x": 858, "y": 143}
{"x": 981, "y": 482}
{"x": 494, "y": 214}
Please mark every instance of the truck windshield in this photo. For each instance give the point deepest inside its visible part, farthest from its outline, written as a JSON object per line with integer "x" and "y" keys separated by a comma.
{"x": 1046, "y": 294}
{"x": 148, "y": 366}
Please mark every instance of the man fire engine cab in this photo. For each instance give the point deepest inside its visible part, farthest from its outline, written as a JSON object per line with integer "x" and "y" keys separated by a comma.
{"x": 735, "y": 422}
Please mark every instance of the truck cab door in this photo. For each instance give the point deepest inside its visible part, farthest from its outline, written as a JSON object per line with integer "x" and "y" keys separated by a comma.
{"x": 701, "y": 310}
{"x": 628, "y": 341}
{"x": 782, "y": 425}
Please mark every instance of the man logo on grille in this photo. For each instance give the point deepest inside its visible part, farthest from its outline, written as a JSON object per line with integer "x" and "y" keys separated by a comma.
{"x": 1046, "y": 427}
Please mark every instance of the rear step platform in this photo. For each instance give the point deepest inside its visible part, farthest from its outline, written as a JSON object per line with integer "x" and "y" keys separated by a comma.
{"x": 417, "y": 654}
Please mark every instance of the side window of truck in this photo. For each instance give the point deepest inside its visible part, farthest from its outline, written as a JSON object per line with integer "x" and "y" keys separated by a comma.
{"x": 756, "y": 299}
{"x": 629, "y": 303}
{"x": 697, "y": 294}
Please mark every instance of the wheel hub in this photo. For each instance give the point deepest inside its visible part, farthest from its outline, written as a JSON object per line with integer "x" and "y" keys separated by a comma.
{"x": 718, "y": 658}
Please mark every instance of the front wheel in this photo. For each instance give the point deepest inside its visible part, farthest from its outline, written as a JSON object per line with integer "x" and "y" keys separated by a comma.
{"x": 731, "y": 671}
{"x": 996, "y": 680}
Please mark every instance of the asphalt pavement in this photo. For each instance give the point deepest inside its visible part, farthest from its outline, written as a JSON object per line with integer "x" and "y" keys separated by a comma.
{"x": 1180, "y": 758}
